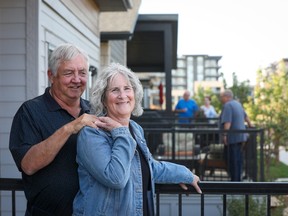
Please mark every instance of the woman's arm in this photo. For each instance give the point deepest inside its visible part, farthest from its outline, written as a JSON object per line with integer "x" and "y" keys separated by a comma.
{"x": 107, "y": 158}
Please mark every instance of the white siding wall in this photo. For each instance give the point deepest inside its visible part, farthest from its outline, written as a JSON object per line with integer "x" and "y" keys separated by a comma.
{"x": 27, "y": 30}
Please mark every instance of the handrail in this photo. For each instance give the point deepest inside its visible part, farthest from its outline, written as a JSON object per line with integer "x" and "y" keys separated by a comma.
{"x": 224, "y": 188}
{"x": 208, "y": 188}
{"x": 239, "y": 188}
{"x": 11, "y": 184}
{"x": 275, "y": 188}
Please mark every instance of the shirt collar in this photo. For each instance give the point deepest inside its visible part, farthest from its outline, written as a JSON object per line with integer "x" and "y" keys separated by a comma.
{"x": 54, "y": 106}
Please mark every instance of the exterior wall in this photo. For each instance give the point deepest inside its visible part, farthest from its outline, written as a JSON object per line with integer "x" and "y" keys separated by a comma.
{"x": 215, "y": 86}
{"x": 113, "y": 51}
{"x": 105, "y": 54}
{"x": 13, "y": 85}
{"x": 118, "y": 51}
{"x": 28, "y": 30}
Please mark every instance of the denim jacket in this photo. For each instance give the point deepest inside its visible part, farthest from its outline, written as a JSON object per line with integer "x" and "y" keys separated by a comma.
{"x": 110, "y": 174}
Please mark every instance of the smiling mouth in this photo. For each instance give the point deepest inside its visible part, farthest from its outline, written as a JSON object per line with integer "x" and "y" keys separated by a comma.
{"x": 123, "y": 102}
{"x": 75, "y": 87}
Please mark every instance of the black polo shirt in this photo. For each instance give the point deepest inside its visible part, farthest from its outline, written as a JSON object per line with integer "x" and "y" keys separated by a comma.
{"x": 51, "y": 190}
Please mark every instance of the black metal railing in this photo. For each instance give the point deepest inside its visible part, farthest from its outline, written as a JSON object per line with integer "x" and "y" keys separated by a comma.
{"x": 201, "y": 149}
{"x": 13, "y": 185}
{"x": 223, "y": 189}
{"x": 246, "y": 189}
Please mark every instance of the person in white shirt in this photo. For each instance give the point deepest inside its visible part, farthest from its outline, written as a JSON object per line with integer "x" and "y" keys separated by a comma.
{"x": 208, "y": 109}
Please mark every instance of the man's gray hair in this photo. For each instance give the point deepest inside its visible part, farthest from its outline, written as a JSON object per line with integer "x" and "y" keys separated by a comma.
{"x": 65, "y": 52}
{"x": 228, "y": 93}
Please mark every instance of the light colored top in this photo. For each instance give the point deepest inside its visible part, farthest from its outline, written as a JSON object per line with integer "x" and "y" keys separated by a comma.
{"x": 209, "y": 112}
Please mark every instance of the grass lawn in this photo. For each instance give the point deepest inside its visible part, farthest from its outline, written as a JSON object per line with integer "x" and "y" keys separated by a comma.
{"x": 277, "y": 170}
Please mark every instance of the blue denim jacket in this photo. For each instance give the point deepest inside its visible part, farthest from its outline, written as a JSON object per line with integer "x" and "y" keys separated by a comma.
{"x": 110, "y": 172}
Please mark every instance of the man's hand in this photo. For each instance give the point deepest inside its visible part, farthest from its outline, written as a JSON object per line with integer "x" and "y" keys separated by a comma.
{"x": 83, "y": 120}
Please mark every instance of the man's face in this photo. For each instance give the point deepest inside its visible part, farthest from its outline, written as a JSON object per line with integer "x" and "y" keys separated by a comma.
{"x": 70, "y": 81}
{"x": 223, "y": 98}
{"x": 186, "y": 96}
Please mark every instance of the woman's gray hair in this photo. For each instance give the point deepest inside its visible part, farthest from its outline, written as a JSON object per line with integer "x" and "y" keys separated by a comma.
{"x": 65, "y": 52}
{"x": 100, "y": 86}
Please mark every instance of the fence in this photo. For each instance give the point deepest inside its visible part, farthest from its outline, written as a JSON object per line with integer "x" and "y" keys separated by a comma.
{"x": 202, "y": 150}
{"x": 250, "y": 191}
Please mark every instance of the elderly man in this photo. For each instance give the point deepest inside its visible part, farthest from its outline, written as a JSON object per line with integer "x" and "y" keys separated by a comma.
{"x": 233, "y": 117}
{"x": 44, "y": 131}
{"x": 186, "y": 108}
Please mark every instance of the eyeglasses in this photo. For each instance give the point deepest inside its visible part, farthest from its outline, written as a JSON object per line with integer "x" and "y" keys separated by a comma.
{"x": 117, "y": 91}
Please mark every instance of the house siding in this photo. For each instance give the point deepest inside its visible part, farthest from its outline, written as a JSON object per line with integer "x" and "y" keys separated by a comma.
{"x": 28, "y": 29}
{"x": 12, "y": 87}
{"x": 118, "y": 51}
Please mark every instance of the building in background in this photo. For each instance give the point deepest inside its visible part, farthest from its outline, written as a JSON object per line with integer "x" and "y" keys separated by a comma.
{"x": 194, "y": 71}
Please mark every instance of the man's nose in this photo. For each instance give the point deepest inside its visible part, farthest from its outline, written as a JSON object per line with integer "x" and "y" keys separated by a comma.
{"x": 76, "y": 78}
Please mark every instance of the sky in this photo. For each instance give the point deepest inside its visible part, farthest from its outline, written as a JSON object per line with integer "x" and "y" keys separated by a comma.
{"x": 248, "y": 34}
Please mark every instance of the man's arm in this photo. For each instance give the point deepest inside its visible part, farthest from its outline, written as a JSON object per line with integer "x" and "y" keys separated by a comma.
{"x": 180, "y": 110}
{"x": 247, "y": 120}
{"x": 227, "y": 126}
{"x": 43, "y": 153}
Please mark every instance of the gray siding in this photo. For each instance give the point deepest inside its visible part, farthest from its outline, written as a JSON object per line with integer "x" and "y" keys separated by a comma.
{"x": 118, "y": 51}
{"x": 28, "y": 29}
{"x": 12, "y": 88}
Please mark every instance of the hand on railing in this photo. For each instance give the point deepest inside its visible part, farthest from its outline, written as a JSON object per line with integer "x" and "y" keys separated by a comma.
{"x": 195, "y": 182}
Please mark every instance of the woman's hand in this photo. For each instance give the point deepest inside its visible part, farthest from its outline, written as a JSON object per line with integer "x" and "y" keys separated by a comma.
{"x": 194, "y": 184}
{"x": 107, "y": 123}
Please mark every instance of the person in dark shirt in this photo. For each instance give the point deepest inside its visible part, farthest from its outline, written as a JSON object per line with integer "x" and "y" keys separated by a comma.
{"x": 44, "y": 134}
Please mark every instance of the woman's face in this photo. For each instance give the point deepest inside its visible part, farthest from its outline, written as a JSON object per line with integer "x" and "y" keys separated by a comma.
{"x": 119, "y": 100}
{"x": 207, "y": 101}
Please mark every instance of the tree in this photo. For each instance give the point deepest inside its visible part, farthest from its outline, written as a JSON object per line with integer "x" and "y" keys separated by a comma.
{"x": 202, "y": 93}
{"x": 241, "y": 90}
{"x": 269, "y": 108}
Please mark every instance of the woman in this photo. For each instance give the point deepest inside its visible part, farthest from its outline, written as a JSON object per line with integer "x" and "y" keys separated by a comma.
{"x": 208, "y": 109}
{"x": 116, "y": 170}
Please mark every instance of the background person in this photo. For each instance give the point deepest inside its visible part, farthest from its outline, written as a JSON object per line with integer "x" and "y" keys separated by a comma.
{"x": 208, "y": 109}
{"x": 116, "y": 170}
{"x": 43, "y": 135}
{"x": 186, "y": 108}
{"x": 233, "y": 117}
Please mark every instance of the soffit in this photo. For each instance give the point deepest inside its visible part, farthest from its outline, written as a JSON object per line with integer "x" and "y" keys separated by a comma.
{"x": 119, "y": 25}
{"x": 114, "y": 5}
